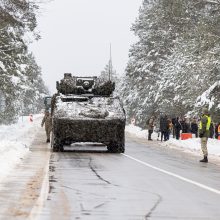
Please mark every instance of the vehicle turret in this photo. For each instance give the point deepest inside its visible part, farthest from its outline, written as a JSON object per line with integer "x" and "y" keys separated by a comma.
{"x": 85, "y": 85}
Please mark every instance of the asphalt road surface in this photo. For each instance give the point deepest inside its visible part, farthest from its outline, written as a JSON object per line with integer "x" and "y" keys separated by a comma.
{"x": 146, "y": 182}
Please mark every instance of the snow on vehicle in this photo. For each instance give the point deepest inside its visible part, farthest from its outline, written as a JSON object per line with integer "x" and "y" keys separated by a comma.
{"x": 84, "y": 110}
{"x": 47, "y": 102}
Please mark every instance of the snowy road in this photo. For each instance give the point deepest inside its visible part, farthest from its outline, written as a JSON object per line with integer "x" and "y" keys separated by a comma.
{"x": 144, "y": 183}
{"x": 149, "y": 181}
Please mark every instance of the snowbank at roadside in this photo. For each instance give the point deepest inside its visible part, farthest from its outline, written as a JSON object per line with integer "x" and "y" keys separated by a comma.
{"x": 15, "y": 141}
{"x": 192, "y": 144}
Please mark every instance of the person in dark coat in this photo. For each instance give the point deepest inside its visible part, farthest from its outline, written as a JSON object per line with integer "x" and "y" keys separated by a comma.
{"x": 216, "y": 130}
{"x": 164, "y": 127}
{"x": 174, "y": 122}
{"x": 194, "y": 127}
{"x": 185, "y": 126}
{"x": 211, "y": 130}
{"x": 178, "y": 128}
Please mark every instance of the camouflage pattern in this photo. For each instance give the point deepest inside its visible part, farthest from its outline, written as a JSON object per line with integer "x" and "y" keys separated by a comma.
{"x": 47, "y": 120}
{"x": 85, "y": 85}
{"x": 84, "y": 110}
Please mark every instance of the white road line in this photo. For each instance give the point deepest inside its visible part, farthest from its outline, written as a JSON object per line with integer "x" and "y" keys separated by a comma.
{"x": 175, "y": 175}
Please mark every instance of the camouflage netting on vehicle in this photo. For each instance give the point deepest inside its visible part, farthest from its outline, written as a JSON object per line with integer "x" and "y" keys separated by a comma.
{"x": 89, "y": 119}
{"x": 84, "y": 110}
{"x": 110, "y": 133}
{"x": 85, "y": 85}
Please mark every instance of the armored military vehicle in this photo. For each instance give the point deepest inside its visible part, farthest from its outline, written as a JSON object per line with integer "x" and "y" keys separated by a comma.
{"x": 84, "y": 110}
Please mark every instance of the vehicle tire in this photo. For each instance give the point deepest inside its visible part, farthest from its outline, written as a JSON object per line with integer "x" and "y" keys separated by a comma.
{"x": 61, "y": 149}
{"x": 122, "y": 149}
{"x": 114, "y": 147}
{"x": 56, "y": 144}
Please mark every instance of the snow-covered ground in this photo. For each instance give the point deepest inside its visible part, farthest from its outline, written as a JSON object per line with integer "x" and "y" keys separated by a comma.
{"x": 190, "y": 145}
{"x": 15, "y": 141}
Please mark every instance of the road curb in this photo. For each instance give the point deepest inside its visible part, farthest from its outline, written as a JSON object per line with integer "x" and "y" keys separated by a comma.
{"x": 37, "y": 208}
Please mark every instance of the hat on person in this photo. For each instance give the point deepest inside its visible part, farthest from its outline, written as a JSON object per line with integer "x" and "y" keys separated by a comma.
{"x": 205, "y": 111}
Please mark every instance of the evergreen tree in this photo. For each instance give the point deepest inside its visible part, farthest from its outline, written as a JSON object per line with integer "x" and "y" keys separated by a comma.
{"x": 176, "y": 58}
{"x": 18, "y": 70}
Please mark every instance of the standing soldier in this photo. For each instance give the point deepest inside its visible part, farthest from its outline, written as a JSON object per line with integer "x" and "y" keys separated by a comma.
{"x": 204, "y": 127}
{"x": 47, "y": 120}
{"x": 150, "y": 128}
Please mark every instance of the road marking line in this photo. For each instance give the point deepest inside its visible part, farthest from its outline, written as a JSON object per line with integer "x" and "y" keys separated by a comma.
{"x": 175, "y": 175}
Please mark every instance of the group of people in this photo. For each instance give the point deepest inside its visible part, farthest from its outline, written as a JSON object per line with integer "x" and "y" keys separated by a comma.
{"x": 203, "y": 128}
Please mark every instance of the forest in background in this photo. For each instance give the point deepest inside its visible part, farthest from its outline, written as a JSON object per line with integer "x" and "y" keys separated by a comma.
{"x": 21, "y": 86}
{"x": 174, "y": 67}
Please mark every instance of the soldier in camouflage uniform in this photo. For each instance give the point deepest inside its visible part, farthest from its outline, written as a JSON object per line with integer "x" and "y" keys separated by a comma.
{"x": 204, "y": 133}
{"x": 47, "y": 120}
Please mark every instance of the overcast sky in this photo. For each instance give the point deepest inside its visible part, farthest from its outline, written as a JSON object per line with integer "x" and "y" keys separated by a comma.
{"x": 76, "y": 35}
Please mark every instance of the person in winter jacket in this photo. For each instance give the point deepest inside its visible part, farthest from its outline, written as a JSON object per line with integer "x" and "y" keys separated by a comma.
{"x": 164, "y": 127}
{"x": 212, "y": 130}
{"x": 194, "y": 127}
{"x": 174, "y": 130}
{"x": 47, "y": 120}
{"x": 204, "y": 133}
{"x": 150, "y": 127}
{"x": 185, "y": 126}
{"x": 178, "y": 128}
{"x": 170, "y": 128}
{"x": 157, "y": 128}
{"x": 217, "y": 130}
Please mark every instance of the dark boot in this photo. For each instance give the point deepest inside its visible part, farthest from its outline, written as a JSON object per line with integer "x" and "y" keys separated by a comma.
{"x": 204, "y": 160}
{"x": 48, "y": 141}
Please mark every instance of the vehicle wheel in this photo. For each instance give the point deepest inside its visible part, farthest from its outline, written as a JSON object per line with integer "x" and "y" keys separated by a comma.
{"x": 109, "y": 149}
{"x": 56, "y": 144}
{"x": 61, "y": 149}
{"x": 114, "y": 147}
{"x": 122, "y": 149}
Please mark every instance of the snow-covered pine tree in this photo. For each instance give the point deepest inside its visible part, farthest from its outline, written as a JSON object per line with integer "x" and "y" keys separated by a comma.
{"x": 144, "y": 69}
{"x": 176, "y": 58}
{"x": 17, "y": 19}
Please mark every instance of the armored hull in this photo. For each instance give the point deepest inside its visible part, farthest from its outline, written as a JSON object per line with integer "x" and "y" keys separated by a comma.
{"x": 87, "y": 117}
